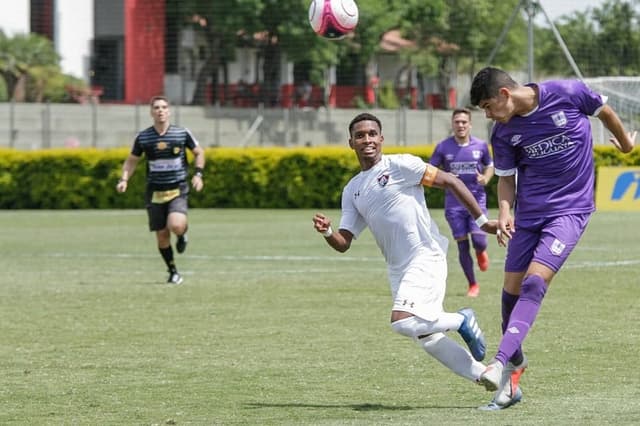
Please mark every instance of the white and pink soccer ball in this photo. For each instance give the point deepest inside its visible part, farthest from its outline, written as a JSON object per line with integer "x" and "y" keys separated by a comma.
{"x": 333, "y": 19}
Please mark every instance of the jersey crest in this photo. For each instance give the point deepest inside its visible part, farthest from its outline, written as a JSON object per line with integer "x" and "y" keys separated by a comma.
{"x": 383, "y": 179}
{"x": 559, "y": 119}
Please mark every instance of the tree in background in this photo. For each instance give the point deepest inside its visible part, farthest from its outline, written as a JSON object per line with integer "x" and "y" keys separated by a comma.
{"x": 221, "y": 23}
{"x": 603, "y": 41}
{"x": 450, "y": 36}
{"x": 456, "y": 36}
{"x": 28, "y": 62}
{"x": 618, "y": 38}
{"x": 476, "y": 25}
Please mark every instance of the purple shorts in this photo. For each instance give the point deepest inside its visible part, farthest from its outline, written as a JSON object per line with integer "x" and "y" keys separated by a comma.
{"x": 461, "y": 223}
{"x": 548, "y": 241}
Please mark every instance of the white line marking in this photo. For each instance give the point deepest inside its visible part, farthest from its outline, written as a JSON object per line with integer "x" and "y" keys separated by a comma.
{"x": 284, "y": 258}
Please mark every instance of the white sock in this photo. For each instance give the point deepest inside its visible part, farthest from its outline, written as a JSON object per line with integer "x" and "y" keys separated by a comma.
{"x": 416, "y": 327}
{"x": 452, "y": 355}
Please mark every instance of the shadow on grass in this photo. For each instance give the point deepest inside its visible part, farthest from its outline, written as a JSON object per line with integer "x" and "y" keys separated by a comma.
{"x": 355, "y": 407}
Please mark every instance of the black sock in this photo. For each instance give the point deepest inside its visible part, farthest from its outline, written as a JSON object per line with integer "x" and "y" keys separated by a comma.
{"x": 167, "y": 255}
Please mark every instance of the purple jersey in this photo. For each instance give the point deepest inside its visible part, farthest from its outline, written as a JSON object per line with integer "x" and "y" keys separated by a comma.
{"x": 551, "y": 149}
{"x": 464, "y": 161}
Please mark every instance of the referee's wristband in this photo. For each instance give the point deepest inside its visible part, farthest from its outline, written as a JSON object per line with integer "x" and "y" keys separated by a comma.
{"x": 328, "y": 232}
{"x": 481, "y": 220}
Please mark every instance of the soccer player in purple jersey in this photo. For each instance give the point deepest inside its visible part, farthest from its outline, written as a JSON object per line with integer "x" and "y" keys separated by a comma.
{"x": 543, "y": 154}
{"x": 468, "y": 158}
{"x": 164, "y": 146}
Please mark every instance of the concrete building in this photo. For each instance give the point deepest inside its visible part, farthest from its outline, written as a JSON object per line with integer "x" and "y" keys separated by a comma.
{"x": 129, "y": 51}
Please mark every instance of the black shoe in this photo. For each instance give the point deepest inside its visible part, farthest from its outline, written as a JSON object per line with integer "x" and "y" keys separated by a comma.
{"x": 181, "y": 244}
{"x": 174, "y": 278}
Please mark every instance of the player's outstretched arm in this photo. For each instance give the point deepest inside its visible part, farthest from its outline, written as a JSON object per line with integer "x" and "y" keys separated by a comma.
{"x": 340, "y": 240}
{"x": 441, "y": 179}
{"x": 621, "y": 139}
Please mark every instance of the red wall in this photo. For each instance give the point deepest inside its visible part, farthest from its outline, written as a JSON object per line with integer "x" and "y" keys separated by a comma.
{"x": 144, "y": 49}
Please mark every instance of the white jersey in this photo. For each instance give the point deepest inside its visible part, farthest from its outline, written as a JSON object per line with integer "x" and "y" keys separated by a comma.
{"x": 389, "y": 199}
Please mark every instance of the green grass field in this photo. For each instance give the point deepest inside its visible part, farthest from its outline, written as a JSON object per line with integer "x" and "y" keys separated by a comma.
{"x": 273, "y": 327}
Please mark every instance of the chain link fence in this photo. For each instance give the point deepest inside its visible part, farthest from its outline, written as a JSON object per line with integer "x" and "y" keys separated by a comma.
{"x": 30, "y": 126}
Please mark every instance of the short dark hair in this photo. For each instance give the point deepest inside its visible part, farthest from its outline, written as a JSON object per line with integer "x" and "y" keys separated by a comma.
{"x": 158, "y": 98}
{"x": 365, "y": 116}
{"x": 487, "y": 83}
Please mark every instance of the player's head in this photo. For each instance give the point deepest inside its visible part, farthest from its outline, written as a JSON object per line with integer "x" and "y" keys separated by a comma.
{"x": 491, "y": 90}
{"x": 487, "y": 84}
{"x": 461, "y": 123}
{"x": 153, "y": 100}
{"x": 365, "y": 116}
{"x": 159, "y": 108}
{"x": 365, "y": 138}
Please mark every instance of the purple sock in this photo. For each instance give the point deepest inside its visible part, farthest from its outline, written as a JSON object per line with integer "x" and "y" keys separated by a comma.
{"x": 522, "y": 317}
{"x": 464, "y": 256}
{"x": 508, "y": 302}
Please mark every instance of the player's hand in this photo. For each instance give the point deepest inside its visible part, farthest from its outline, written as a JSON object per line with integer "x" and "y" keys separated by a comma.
{"x": 321, "y": 223}
{"x": 197, "y": 182}
{"x": 481, "y": 179}
{"x": 121, "y": 185}
{"x": 502, "y": 238}
{"x": 490, "y": 227}
{"x": 506, "y": 228}
{"x": 632, "y": 139}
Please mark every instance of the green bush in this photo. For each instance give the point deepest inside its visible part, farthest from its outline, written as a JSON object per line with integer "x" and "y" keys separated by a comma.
{"x": 234, "y": 177}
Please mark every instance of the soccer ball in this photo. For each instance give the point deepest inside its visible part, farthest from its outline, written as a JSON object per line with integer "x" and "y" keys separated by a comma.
{"x": 333, "y": 19}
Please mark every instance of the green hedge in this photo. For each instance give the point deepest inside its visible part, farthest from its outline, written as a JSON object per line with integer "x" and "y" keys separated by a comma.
{"x": 234, "y": 177}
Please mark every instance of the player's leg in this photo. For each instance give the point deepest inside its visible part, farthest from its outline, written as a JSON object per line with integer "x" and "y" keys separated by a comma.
{"x": 164, "y": 246}
{"x": 177, "y": 221}
{"x": 519, "y": 254}
{"x": 479, "y": 242}
{"x": 452, "y": 355}
{"x": 479, "y": 239}
{"x": 458, "y": 221}
{"x": 557, "y": 240}
{"x": 466, "y": 262}
{"x": 157, "y": 214}
{"x": 177, "y": 224}
{"x": 417, "y": 311}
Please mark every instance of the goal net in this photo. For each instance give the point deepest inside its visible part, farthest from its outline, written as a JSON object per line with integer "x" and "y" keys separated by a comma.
{"x": 624, "y": 97}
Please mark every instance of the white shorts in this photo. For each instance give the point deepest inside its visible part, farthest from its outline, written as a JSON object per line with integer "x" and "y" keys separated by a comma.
{"x": 420, "y": 289}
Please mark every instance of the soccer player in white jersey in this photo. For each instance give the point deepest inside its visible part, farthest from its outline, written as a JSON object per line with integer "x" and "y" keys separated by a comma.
{"x": 165, "y": 146}
{"x": 388, "y": 197}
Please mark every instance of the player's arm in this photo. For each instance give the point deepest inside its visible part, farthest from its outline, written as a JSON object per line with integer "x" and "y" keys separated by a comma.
{"x": 433, "y": 177}
{"x": 506, "y": 198}
{"x": 486, "y": 175}
{"x": 340, "y": 240}
{"x": 197, "y": 181}
{"x": 128, "y": 168}
{"x": 621, "y": 139}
